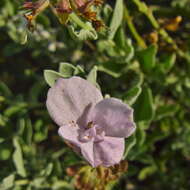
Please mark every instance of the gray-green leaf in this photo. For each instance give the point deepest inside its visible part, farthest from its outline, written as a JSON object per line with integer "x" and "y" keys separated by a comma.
{"x": 18, "y": 158}
{"x": 144, "y": 107}
{"x": 51, "y": 76}
{"x": 131, "y": 95}
{"x": 66, "y": 69}
{"x": 147, "y": 58}
{"x": 116, "y": 18}
{"x": 82, "y": 34}
{"x": 7, "y": 182}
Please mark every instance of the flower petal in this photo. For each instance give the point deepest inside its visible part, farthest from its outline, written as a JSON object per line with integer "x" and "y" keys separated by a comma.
{"x": 115, "y": 117}
{"x": 109, "y": 151}
{"x": 87, "y": 151}
{"x": 69, "y": 98}
{"x": 70, "y": 134}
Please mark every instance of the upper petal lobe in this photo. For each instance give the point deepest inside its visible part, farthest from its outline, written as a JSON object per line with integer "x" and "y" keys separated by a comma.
{"x": 69, "y": 98}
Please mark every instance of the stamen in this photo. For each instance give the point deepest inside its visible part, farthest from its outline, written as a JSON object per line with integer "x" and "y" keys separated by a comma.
{"x": 90, "y": 125}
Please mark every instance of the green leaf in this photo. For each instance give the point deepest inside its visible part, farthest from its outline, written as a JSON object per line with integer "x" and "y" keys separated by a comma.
{"x": 144, "y": 107}
{"x": 4, "y": 90}
{"x": 107, "y": 12}
{"x": 111, "y": 184}
{"x": 5, "y": 151}
{"x": 124, "y": 43}
{"x": 92, "y": 76}
{"x": 21, "y": 126}
{"x": 79, "y": 70}
{"x": 18, "y": 158}
{"x": 15, "y": 109}
{"x": 106, "y": 45}
{"x": 129, "y": 144}
{"x": 168, "y": 62}
{"x": 24, "y": 38}
{"x": 131, "y": 95}
{"x": 38, "y": 182}
{"x": 166, "y": 111}
{"x": 147, "y": 171}
{"x": 2, "y": 140}
{"x": 17, "y": 29}
{"x": 62, "y": 185}
{"x": 2, "y": 21}
{"x": 7, "y": 182}
{"x": 116, "y": 18}
{"x": 112, "y": 68}
{"x": 133, "y": 78}
{"x": 121, "y": 48}
{"x": 120, "y": 37}
{"x": 28, "y": 132}
{"x": 36, "y": 90}
{"x": 51, "y": 77}
{"x": 87, "y": 31}
{"x": 82, "y": 34}
{"x": 41, "y": 131}
{"x": 66, "y": 69}
{"x": 140, "y": 134}
{"x": 147, "y": 58}
{"x": 129, "y": 50}
{"x": 76, "y": 19}
{"x": 59, "y": 153}
{"x": 120, "y": 54}
{"x": 2, "y": 120}
{"x": 47, "y": 171}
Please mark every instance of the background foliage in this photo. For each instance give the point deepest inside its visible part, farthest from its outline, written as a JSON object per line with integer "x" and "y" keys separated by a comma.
{"x": 143, "y": 59}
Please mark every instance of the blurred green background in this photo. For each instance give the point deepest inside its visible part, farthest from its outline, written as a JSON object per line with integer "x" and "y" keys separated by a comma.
{"x": 143, "y": 59}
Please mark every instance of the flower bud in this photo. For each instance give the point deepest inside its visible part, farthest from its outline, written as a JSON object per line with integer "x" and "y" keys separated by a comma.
{"x": 81, "y": 5}
{"x": 35, "y": 9}
{"x": 64, "y": 6}
{"x": 62, "y": 11}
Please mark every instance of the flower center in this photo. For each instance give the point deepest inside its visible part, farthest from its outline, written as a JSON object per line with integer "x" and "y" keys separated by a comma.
{"x": 91, "y": 133}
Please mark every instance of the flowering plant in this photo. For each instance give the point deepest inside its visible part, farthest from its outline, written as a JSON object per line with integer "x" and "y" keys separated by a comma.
{"x": 142, "y": 59}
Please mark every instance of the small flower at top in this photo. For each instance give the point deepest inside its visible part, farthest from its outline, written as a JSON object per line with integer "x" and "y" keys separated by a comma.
{"x": 83, "y": 8}
{"x": 34, "y": 8}
{"x": 94, "y": 126}
{"x": 63, "y": 8}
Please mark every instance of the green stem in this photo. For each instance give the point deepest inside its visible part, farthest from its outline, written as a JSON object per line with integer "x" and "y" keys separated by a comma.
{"x": 22, "y": 182}
{"x": 168, "y": 11}
{"x": 148, "y": 13}
{"x": 79, "y": 22}
{"x": 132, "y": 28}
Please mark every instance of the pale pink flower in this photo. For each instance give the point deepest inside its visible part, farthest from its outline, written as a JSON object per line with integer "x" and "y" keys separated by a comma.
{"x": 95, "y": 126}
